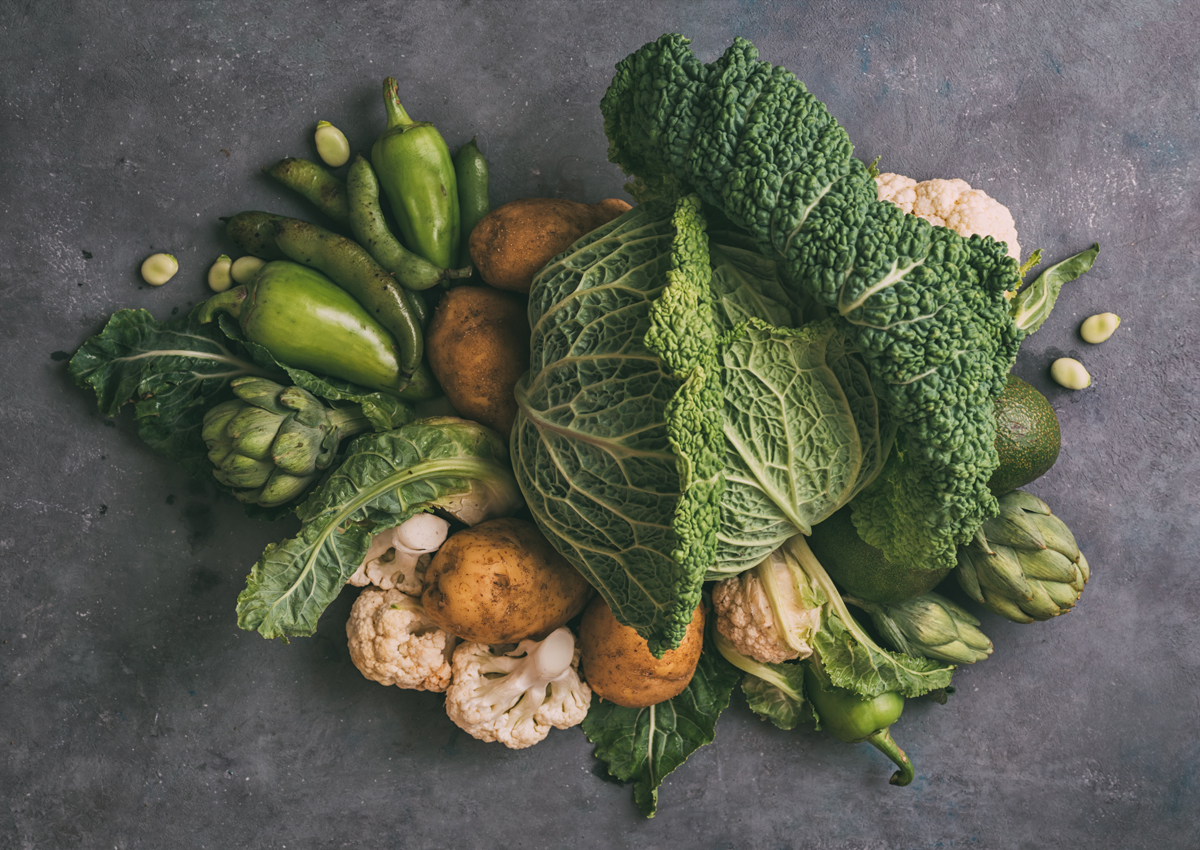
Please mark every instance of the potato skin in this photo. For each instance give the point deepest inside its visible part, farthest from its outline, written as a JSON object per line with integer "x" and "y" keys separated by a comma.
{"x": 478, "y": 347}
{"x": 514, "y": 241}
{"x": 501, "y": 582}
{"x": 617, "y": 665}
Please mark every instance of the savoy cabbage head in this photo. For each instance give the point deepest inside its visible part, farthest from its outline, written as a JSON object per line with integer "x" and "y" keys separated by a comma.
{"x": 667, "y": 431}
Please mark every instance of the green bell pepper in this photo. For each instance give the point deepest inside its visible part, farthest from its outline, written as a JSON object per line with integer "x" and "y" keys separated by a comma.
{"x": 853, "y": 719}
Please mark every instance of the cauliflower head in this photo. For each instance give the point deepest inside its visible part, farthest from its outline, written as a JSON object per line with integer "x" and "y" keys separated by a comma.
{"x": 515, "y": 697}
{"x": 768, "y": 613}
{"x": 398, "y": 557}
{"x": 953, "y": 204}
{"x": 393, "y": 642}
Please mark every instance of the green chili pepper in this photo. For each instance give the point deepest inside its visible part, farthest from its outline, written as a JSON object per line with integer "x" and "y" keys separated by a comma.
{"x": 307, "y": 321}
{"x": 471, "y": 172}
{"x": 343, "y": 260}
{"x": 417, "y": 174}
{"x": 850, "y": 718}
{"x": 371, "y": 231}
{"x": 314, "y": 182}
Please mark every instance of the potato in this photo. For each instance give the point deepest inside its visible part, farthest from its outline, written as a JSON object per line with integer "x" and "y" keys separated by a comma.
{"x": 616, "y": 661}
{"x": 478, "y": 346}
{"x": 512, "y": 242}
{"x": 501, "y": 582}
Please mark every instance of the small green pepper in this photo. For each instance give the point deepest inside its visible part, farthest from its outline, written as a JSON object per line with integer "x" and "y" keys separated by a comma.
{"x": 414, "y": 167}
{"x": 474, "y": 202}
{"x": 307, "y": 321}
{"x": 853, "y": 719}
{"x": 345, "y": 261}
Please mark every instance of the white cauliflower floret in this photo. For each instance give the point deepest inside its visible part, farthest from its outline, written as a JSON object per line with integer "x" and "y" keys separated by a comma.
{"x": 953, "y": 204}
{"x": 397, "y": 558}
{"x": 392, "y": 642}
{"x": 515, "y": 697}
{"x": 766, "y": 612}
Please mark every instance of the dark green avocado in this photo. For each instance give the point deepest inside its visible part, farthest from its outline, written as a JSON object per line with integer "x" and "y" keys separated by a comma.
{"x": 1027, "y": 436}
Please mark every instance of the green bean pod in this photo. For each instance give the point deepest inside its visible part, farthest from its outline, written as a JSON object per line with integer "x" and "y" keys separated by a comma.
{"x": 417, "y": 175}
{"x": 317, "y": 184}
{"x": 471, "y": 172}
{"x": 343, "y": 260}
{"x": 371, "y": 231}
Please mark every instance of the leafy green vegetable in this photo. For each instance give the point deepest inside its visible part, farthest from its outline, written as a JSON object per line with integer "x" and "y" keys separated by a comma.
{"x": 925, "y": 306}
{"x": 1033, "y": 304}
{"x": 444, "y": 463}
{"x": 644, "y": 745}
{"x": 172, "y": 372}
{"x": 617, "y": 443}
{"x": 802, "y": 435}
{"x": 849, "y": 656}
{"x": 776, "y": 691}
{"x": 745, "y": 285}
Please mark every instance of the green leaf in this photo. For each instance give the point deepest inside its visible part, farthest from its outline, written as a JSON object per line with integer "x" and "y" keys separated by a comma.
{"x": 383, "y": 411}
{"x": 172, "y": 373}
{"x": 385, "y": 479}
{"x": 1032, "y": 305}
{"x": 795, "y": 440}
{"x": 776, "y": 691}
{"x": 644, "y": 745}
{"x": 849, "y": 656}
{"x": 617, "y": 443}
{"x": 745, "y": 285}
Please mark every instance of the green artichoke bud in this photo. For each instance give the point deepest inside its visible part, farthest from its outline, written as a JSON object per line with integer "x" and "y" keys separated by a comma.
{"x": 929, "y": 625}
{"x": 272, "y": 442}
{"x": 1023, "y": 564}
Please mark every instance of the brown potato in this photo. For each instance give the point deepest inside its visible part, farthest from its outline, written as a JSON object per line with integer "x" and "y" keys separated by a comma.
{"x": 617, "y": 664}
{"x": 501, "y": 582}
{"x": 478, "y": 346}
{"x": 512, "y": 242}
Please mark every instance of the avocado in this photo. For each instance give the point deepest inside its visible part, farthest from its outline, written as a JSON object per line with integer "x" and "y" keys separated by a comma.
{"x": 860, "y": 569}
{"x": 1027, "y": 436}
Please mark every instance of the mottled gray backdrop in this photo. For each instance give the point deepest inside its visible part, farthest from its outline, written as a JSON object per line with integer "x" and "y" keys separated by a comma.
{"x": 134, "y": 714}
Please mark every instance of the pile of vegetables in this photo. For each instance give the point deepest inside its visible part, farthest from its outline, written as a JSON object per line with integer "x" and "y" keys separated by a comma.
{"x": 690, "y": 436}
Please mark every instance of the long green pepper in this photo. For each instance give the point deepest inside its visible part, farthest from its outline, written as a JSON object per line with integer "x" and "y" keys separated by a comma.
{"x": 417, "y": 174}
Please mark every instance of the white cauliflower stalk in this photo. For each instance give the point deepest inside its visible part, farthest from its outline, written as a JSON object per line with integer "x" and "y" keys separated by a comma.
{"x": 393, "y": 642}
{"x": 399, "y": 557}
{"x": 515, "y": 697}
{"x": 953, "y": 204}
{"x": 769, "y": 613}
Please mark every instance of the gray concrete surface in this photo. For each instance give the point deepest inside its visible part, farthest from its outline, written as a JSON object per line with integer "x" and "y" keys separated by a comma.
{"x": 134, "y": 714}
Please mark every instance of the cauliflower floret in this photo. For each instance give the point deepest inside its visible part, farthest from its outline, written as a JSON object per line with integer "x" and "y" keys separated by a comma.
{"x": 392, "y": 642}
{"x": 515, "y": 697}
{"x": 398, "y": 558}
{"x": 765, "y": 612}
{"x": 953, "y": 204}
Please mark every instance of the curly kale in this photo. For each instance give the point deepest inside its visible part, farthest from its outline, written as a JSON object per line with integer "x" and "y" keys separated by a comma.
{"x": 925, "y": 306}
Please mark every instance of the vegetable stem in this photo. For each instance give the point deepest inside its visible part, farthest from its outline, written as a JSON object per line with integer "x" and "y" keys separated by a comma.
{"x": 396, "y": 116}
{"x": 883, "y": 742}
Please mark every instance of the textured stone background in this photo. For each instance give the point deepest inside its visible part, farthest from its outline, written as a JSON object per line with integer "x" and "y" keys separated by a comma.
{"x": 133, "y": 713}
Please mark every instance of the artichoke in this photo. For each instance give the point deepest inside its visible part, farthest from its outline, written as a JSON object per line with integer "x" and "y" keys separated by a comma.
{"x": 931, "y": 626}
{"x": 1023, "y": 564}
{"x": 271, "y": 442}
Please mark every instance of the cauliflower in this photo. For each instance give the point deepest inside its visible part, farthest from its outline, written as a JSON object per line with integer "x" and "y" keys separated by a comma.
{"x": 398, "y": 557}
{"x": 515, "y": 697}
{"x": 392, "y": 641}
{"x": 768, "y": 612}
{"x": 953, "y": 204}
